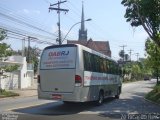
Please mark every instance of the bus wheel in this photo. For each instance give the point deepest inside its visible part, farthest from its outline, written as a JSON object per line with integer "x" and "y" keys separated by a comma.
{"x": 67, "y": 102}
{"x": 118, "y": 93}
{"x": 100, "y": 98}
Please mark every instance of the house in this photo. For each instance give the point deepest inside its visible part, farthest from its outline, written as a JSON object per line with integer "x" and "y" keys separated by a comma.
{"x": 100, "y": 46}
{"x": 19, "y": 79}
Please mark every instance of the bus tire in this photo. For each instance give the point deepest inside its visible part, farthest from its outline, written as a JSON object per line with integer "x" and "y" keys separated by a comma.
{"x": 100, "y": 98}
{"x": 118, "y": 93}
{"x": 67, "y": 102}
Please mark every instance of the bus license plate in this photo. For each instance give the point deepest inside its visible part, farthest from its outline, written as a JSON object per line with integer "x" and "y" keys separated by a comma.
{"x": 56, "y": 96}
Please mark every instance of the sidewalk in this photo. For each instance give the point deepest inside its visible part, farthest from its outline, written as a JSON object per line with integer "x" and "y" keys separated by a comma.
{"x": 25, "y": 92}
{"x": 28, "y": 92}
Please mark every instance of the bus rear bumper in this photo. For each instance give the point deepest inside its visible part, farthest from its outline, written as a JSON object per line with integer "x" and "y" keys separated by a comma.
{"x": 70, "y": 97}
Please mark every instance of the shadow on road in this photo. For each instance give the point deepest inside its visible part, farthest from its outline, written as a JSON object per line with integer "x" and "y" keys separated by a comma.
{"x": 59, "y": 108}
{"x": 134, "y": 104}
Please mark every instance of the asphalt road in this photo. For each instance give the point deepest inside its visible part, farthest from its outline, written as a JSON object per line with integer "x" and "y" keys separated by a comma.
{"x": 131, "y": 105}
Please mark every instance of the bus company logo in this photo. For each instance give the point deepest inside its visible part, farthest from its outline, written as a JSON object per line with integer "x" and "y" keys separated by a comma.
{"x": 58, "y": 53}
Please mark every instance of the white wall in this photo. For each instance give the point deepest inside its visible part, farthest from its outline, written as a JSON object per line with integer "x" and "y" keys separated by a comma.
{"x": 9, "y": 80}
{"x": 21, "y": 79}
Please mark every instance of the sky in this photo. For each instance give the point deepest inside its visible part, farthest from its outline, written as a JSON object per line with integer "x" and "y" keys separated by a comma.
{"x": 108, "y": 23}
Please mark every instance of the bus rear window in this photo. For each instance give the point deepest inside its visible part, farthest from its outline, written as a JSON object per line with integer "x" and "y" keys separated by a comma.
{"x": 58, "y": 58}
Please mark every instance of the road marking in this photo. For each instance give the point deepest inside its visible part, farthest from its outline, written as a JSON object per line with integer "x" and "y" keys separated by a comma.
{"x": 90, "y": 112}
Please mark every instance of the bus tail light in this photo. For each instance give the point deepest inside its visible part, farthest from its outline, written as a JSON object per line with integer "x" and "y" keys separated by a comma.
{"x": 78, "y": 80}
{"x": 38, "y": 79}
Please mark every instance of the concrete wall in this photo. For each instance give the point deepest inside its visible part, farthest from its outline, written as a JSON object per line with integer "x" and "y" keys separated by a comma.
{"x": 10, "y": 80}
{"x": 19, "y": 79}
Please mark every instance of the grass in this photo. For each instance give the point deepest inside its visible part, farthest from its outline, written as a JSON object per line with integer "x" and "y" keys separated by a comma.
{"x": 154, "y": 95}
{"x": 4, "y": 93}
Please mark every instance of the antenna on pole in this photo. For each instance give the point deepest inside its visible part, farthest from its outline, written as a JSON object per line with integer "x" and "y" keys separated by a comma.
{"x": 58, "y": 9}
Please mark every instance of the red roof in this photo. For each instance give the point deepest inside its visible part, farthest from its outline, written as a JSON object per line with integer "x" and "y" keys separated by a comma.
{"x": 100, "y": 46}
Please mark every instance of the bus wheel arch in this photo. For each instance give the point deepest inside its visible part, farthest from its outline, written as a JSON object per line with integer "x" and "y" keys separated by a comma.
{"x": 100, "y": 97}
{"x": 118, "y": 92}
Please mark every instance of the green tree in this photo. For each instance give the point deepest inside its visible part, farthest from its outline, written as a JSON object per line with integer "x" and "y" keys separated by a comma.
{"x": 3, "y": 34}
{"x": 126, "y": 57}
{"x": 153, "y": 56}
{"x": 144, "y": 13}
{"x": 34, "y": 54}
{"x": 121, "y": 54}
{"x": 137, "y": 70}
{"x": 4, "y": 52}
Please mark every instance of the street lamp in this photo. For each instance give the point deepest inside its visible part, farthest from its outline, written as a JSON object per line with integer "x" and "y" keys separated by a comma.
{"x": 73, "y": 26}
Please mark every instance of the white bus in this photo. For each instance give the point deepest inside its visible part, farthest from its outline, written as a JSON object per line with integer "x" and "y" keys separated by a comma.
{"x": 75, "y": 73}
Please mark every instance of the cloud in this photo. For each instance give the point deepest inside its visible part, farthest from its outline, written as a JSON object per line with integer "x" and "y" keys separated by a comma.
{"x": 54, "y": 29}
{"x": 26, "y": 11}
{"x": 36, "y": 12}
{"x": 142, "y": 35}
{"x": 29, "y": 12}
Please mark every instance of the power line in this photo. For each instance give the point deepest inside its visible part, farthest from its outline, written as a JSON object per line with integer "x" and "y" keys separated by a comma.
{"x": 22, "y": 36}
{"x": 24, "y": 23}
{"x": 23, "y": 32}
{"x": 58, "y": 9}
{"x": 27, "y": 19}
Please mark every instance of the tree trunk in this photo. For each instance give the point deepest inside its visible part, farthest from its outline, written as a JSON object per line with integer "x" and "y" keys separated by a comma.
{"x": 157, "y": 75}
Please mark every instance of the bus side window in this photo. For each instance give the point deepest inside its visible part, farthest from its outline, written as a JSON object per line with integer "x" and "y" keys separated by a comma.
{"x": 96, "y": 58}
{"x": 109, "y": 66}
{"x": 93, "y": 62}
{"x": 87, "y": 61}
{"x": 105, "y": 66}
{"x": 101, "y": 65}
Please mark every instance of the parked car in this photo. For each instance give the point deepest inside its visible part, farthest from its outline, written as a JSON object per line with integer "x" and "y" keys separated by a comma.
{"x": 146, "y": 78}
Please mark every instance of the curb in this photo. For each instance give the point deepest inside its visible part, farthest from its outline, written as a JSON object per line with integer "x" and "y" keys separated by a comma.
{"x": 151, "y": 101}
{"x": 16, "y": 97}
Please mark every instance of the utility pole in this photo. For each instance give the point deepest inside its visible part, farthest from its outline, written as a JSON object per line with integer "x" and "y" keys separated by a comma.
{"x": 137, "y": 54}
{"x": 58, "y": 9}
{"x": 23, "y": 47}
{"x": 123, "y": 46}
{"x": 130, "y": 53}
{"x": 29, "y": 48}
{"x": 28, "y": 52}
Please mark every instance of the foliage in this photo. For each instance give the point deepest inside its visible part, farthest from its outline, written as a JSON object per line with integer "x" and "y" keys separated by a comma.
{"x": 144, "y": 13}
{"x": 153, "y": 57}
{"x": 34, "y": 53}
{"x": 9, "y": 68}
{"x": 123, "y": 55}
{"x": 126, "y": 57}
{"x": 153, "y": 53}
{"x": 4, "y": 93}
{"x": 154, "y": 95}
{"x": 4, "y": 52}
{"x": 2, "y": 34}
{"x": 136, "y": 70}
